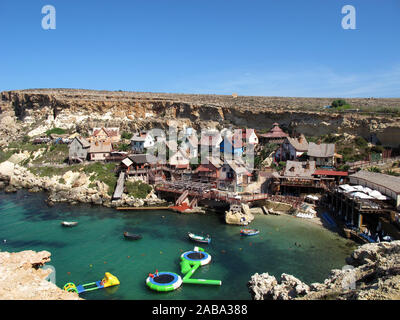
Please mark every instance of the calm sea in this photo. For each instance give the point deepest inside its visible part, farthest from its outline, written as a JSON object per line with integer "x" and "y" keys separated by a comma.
{"x": 84, "y": 253}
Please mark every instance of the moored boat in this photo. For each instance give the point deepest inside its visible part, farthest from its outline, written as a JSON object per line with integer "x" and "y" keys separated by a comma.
{"x": 198, "y": 238}
{"x": 249, "y": 232}
{"x": 131, "y": 236}
{"x": 69, "y": 223}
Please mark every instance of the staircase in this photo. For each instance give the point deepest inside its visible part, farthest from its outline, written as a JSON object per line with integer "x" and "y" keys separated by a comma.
{"x": 182, "y": 197}
{"x": 194, "y": 202}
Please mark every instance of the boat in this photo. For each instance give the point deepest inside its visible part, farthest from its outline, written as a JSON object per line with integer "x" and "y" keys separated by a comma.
{"x": 131, "y": 236}
{"x": 69, "y": 223}
{"x": 249, "y": 232}
{"x": 198, "y": 238}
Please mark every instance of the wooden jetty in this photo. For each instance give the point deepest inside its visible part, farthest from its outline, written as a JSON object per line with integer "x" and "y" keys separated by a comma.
{"x": 204, "y": 191}
{"x": 119, "y": 189}
{"x": 144, "y": 208}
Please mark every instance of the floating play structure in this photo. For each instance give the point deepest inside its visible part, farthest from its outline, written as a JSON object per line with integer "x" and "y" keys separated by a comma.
{"x": 164, "y": 281}
{"x": 190, "y": 262}
{"x": 108, "y": 281}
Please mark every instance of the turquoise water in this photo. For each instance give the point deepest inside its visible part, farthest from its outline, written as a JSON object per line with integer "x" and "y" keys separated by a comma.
{"x": 84, "y": 253}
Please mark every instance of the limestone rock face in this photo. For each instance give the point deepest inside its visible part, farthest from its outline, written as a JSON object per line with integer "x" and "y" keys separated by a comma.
{"x": 21, "y": 278}
{"x": 81, "y": 109}
{"x": 266, "y": 287}
{"x": 373, "y": 273}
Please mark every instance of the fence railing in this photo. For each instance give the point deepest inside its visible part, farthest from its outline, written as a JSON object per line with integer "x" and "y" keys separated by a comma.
{"x": 364, "y": 164}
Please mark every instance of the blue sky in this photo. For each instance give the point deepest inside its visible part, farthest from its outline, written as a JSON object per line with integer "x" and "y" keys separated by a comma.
{"x": 256, "y": 47}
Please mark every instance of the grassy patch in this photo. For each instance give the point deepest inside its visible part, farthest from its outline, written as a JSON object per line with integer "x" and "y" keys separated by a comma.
{"x": 5, "y": 155}
{"x": 49, "y": 171}
{"x": 104, "y": 173}
{"x": 20, "y": 146}
{"x": 55, "y": 131}
{"x": 137, "y": 189}
{"x": 56, "y": 153}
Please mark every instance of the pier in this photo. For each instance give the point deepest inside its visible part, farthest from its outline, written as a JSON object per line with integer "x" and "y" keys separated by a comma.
{"x": 354, "y": 214}
{"x": 143, "y": 208}
{"x": 207, "y": 191}
{"x": 119, "y": 189}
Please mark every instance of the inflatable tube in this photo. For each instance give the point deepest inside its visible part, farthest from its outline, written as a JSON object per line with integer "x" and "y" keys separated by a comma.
{"x": 70, "y": 287}
{"x": 196, "y": 256}
{"x": 191, "y": 261}
{"x": 164, "y": 281}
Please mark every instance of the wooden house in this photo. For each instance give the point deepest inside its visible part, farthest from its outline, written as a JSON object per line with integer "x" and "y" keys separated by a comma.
{"x": 210, "y": 143}
{"x": 142, "y": 141}
{"x": 100, "y": 150}
{"x": 292, "y": 148}
{"x": 322, "y": 153}
{"x": 78, "y": 149}
{"x": 275, "y": 135}
{"x": 232, "y": 143}
{"x": 209, "y": 170}
{"x": 111, "y": 135}
{"x": 179, "y": 160}
{"x": 234, "y": 175}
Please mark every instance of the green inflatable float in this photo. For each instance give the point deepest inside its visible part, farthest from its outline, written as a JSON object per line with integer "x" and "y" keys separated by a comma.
{"x": 191, "y": 261}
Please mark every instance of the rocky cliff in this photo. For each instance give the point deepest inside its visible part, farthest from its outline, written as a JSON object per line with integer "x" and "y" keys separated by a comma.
{"x": 132, "y": 110}
{"x": 373, "y": 273}
{"x": 21, "y": 278}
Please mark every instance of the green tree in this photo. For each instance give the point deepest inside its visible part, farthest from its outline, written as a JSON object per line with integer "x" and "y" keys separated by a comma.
{"x": 126, "y": 135}
{"x": 338, "y": 103}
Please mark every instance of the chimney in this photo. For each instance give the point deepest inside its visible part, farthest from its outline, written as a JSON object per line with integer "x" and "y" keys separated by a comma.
{"x": 308, "y": 165}
{"x": 300, "y": 139}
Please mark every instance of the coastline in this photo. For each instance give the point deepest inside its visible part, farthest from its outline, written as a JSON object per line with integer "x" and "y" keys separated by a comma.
{"x": 104, "y": 248}
{"x": 16, "y": 177}
{"x": 78, "y": 190}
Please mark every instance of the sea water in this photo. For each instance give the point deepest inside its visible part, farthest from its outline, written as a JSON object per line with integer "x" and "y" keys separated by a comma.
{"x": 82, "y": 254}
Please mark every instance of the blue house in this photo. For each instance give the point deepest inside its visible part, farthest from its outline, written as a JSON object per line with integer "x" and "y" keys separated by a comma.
{"x": 232, "y": 144}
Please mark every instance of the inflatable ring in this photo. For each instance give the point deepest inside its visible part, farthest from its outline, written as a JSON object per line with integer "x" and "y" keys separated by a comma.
{"x": 196, "y": 256}
{"x": 70, "y": 287}
{"x": 164, "y": 281}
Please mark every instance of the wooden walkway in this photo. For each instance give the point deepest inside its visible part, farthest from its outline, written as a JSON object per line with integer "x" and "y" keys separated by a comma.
{"x": 143, "y": 208}
{"x": 119, "y": 189}
{"x": 203, "y": 194}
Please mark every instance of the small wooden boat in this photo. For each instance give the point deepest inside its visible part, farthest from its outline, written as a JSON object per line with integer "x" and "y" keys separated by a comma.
{"x": 249, "y": 232}
{"x": 69, "y": 223}
{"x": 131, "y": 236}
{"x": 198, "y": 238}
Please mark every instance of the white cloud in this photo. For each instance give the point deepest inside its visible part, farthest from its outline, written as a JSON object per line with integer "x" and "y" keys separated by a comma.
{"x": 307, "y": 82}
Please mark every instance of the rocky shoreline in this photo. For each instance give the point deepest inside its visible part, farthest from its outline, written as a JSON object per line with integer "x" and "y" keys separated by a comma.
{"x": 75, "y": 190}
{"x": 21, "y": 278}
{"x": 372, "y": 273}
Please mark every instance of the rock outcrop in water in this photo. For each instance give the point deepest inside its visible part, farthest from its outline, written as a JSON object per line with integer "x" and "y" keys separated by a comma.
{"x": 373, "y": 274}
{"x": 22, "y": 279}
